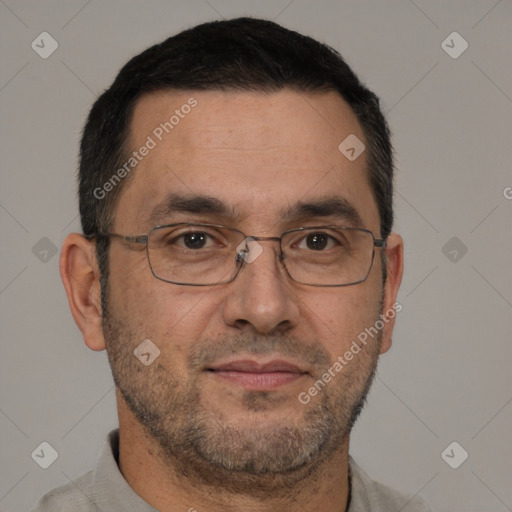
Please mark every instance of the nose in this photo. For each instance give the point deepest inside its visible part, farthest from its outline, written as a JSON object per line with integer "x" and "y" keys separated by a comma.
{"x": 262, "y": 297}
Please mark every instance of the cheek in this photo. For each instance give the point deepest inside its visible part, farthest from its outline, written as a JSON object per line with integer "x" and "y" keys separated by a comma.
{"x": 171, "y": 316}
{"x": 341, "y": 315}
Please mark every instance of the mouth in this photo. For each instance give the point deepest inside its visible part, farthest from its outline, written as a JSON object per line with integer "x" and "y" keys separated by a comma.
{"x": 256, "y": 375}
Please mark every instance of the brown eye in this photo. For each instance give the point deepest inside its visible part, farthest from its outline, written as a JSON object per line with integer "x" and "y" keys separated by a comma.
{"x": 195, "y": 240}
{"x": 317, "y": 241}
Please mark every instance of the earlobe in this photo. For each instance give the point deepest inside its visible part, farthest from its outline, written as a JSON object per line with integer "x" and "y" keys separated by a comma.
{"x": 391, "y": 307}
{"x": 80, "y": 276}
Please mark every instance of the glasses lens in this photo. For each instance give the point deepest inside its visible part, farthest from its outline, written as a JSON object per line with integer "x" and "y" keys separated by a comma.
{"x": 328, "y": 256}
{"x": 197, "y": 254}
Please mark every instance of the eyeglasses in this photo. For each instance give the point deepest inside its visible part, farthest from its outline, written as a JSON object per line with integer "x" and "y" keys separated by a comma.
{"x": 210, "y": 254}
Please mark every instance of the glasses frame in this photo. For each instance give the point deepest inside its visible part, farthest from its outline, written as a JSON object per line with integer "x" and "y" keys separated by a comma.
{"x": 239, "y": 260}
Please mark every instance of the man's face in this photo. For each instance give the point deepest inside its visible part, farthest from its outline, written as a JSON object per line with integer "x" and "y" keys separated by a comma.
{"x": 257, "y": 154}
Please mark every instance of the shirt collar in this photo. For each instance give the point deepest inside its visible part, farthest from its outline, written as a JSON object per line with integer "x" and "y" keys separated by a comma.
{"x": 111, "y": 491}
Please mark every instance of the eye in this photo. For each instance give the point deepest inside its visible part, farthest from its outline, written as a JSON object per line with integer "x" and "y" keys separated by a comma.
{"x": 190, "y": 239}
{"x": 194, "y": 239}
{"x": 317, "y": 241}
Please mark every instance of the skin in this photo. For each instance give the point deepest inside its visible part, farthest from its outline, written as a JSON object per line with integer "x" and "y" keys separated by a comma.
{"x": 257, "y": 153}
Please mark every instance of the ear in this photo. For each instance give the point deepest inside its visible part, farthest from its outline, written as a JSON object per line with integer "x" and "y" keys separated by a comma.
{"x": 395, "y": 267}
{"x": 80, "y": 274}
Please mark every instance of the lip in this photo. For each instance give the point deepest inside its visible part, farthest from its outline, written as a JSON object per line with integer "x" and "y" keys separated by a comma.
{"x": 252, "y": 366}
{"x": 257, "y": 375}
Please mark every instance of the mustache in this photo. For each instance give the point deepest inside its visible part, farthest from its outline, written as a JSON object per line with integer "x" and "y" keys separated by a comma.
{"x": 205, "y": 353}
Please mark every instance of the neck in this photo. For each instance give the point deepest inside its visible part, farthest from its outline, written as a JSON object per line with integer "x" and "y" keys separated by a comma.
{"x": 169, "y": 486}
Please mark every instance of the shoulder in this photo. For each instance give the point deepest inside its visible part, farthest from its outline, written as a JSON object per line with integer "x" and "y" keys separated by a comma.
{"x": 371, "y": 495}
{"x": 73, "y": 497}
{"x": 101, "y": 489}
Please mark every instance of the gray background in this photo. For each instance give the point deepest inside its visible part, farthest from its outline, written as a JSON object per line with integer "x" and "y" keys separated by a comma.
{"x": 447, "y": 377}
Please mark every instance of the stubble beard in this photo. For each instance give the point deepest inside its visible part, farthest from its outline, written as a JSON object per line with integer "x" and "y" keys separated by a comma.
{"x": 194, "y": 441}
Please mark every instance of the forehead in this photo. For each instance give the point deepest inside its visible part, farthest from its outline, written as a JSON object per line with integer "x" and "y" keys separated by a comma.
{"x": 257, "y": 153}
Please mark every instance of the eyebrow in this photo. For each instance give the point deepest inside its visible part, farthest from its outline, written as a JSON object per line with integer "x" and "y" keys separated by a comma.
{"x": 191, "y": 204}
{"x": 333, "y": 206}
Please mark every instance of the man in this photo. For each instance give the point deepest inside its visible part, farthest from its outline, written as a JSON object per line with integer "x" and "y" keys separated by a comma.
{"x": 239, "y": 268}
